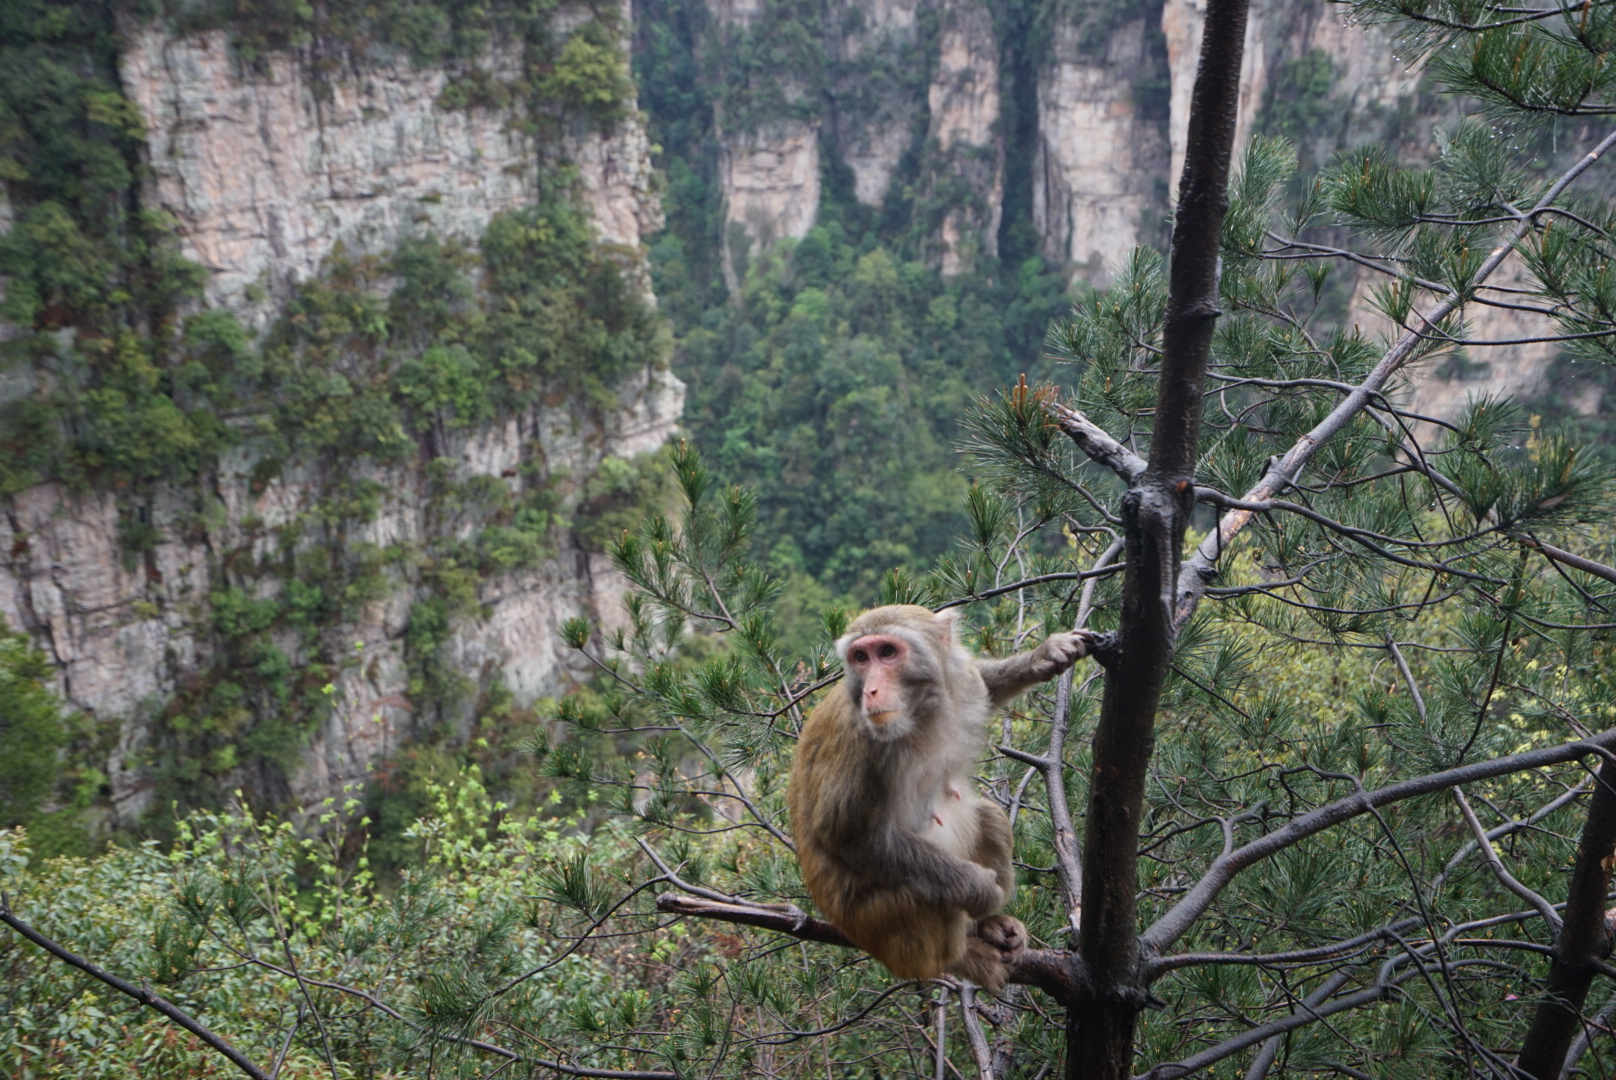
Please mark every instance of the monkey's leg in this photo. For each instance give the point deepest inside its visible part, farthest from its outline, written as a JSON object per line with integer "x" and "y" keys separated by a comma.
{"x": 912, "y": 940}
{"x": 994, "y": 845}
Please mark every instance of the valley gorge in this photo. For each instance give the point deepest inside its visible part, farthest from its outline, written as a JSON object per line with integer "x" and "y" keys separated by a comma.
{"x": 275, "y": 523}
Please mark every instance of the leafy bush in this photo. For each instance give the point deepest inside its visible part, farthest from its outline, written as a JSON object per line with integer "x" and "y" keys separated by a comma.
{"x": 590, "y": 74}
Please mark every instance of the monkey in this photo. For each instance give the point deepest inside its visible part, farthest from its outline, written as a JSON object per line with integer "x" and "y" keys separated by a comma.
{"x": 896, "y": 846}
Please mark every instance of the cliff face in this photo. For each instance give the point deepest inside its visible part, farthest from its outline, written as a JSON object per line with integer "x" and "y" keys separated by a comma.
{"x": 964, "y": 140}
{"x": 265, "y": 175}
{"x": 1112, "y": 102}
{"x": 1098, "y": 176}
{"x": 269, "y": 174}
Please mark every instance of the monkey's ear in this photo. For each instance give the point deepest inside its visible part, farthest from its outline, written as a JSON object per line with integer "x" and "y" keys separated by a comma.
{"x": 842, "y": 644}
{"x": 947, "y": 627}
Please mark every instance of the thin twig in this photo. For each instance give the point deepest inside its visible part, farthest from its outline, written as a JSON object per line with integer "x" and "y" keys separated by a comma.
{"x": 1496, "y": 865}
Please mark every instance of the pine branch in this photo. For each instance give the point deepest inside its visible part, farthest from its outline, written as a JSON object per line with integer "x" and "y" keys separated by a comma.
{"x": 1284, "y": 469}
{"x": 1303, "y": 1016}
{"x": 1183, "y": 915}
{"x": 129, "y": 989}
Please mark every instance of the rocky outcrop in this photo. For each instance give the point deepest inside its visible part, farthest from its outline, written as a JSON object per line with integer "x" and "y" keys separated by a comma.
{"x": 965, "y": 145}
{"x": 265, "y": 177}
{"x": 770, "y": 182}
{"x": 1100, "y": 166}
{"x": 875, "y": 115}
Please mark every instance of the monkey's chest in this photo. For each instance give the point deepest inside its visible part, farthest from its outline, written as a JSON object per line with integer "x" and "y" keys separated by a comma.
{"x": 950, "y": 821}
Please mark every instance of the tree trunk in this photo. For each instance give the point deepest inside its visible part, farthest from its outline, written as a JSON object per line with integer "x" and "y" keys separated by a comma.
{"x": 1100, "y": 1033}
{"x": 1584, "y": 938}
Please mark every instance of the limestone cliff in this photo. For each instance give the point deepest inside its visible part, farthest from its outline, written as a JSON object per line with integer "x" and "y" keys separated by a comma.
{"x": 964, "y": 142}
{"x": 1112, "y": 99}
{"x": 268, "y": 174}
{"x": 1100, "y": 170}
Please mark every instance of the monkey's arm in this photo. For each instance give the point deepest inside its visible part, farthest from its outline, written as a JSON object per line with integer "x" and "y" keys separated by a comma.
{"x": 890, "y": 855}
{"x": 935, "y": 876}
{"x": 1013, "y": 675}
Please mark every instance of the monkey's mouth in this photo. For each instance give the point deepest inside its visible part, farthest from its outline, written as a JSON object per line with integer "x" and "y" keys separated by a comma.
{"x": 880, "y": 716}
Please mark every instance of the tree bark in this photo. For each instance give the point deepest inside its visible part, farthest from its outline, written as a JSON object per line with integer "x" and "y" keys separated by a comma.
{"x": 1156, "y": 510}
{"x": 1584, "y": 938}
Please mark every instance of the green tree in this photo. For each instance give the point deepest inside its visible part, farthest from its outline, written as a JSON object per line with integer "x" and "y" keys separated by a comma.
{"x": 32, "y": 731}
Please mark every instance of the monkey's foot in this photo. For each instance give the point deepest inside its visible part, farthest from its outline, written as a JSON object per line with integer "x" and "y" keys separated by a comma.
{"x": 1004, "y": 933}
{"x": 992, "y": 944}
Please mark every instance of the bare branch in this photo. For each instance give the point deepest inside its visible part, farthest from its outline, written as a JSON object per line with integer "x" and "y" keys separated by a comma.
{"x": 1100, "y": 570}
{"x": 1270, "y": 1049}
{"x": 1300, "y": 1018}
{"x": 1096, "y": 442}
{"x": 1054, "y": 971}
{"x": 1334, "y": 951}
{"x": 1496, "y": 865}
{"x": 981, "y": 1053}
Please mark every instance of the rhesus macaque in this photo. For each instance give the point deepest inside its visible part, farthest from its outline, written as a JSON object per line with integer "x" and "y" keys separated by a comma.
{"x": 897, "y": 848}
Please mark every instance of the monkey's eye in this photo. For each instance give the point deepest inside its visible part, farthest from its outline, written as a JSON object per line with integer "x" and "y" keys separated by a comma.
{"x": 888, "y": 651}
{"x": 860, "y": 656}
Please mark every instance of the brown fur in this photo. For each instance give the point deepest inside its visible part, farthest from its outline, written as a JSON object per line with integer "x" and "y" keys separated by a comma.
{"x": 896, "y": 846}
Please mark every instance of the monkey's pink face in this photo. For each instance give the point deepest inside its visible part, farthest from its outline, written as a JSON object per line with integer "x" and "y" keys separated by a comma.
{"x": 877, "y": 663}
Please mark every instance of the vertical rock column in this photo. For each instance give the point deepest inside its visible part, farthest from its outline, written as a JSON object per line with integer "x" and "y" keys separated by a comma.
{"x": 965, "y": 146}
{"x": 768, "y": 166}
{"x": 1099, "y": 166}
{"x": 873, "y": 107}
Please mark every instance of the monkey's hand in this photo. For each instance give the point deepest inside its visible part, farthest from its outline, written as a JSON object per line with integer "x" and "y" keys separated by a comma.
{"x": 1060, "y": 651}
{"x": 981, "y": 895}
{"x": 1008, "y": 677}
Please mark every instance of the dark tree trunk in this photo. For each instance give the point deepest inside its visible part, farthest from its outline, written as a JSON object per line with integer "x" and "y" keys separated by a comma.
{"x": 1584, "y": 938}
{"x": 1100, "y": 1034}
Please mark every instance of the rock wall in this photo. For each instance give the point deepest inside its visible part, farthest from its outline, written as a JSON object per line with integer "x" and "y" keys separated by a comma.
{"x": 964, "y": 141}
{"x": 265, "y": 178}
{"x": 265, "y": 175}
{"x": 770, "y": 183}
{"x": 1100, "y": 165}
{"x": 874, "y": 125}
{"x": 1108, "y": 155}
{"x": 126, "y": 636}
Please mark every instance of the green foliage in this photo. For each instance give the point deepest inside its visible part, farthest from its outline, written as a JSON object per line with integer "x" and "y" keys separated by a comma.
{"x": 830, "y": 381}
{"x": 590, "y": 74}
{"x": 430, "y": 31}
{"x": 32, "y": 730}
{"x": 445, "y": 381}
{"x": 827, "y": 388}
{"x": 435, "y": 945}
{"x": 1299, "y": 101}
